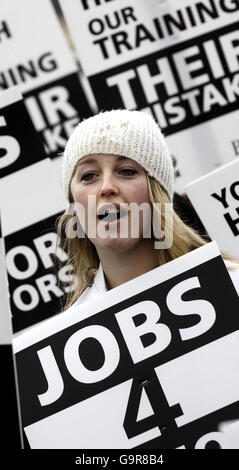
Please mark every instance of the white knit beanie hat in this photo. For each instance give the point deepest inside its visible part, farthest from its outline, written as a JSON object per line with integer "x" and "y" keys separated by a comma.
{"x": 132, "y": 134}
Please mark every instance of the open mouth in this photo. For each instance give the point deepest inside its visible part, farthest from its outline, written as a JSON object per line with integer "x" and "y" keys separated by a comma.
{"x": 112, "y": 214}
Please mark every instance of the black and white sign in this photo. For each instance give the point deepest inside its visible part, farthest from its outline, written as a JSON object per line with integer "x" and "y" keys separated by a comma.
{"x": 216, "y": 200}
{"x": 32, "y": 199}
{"x": 34, "y": 54}
{"x": 10, "y": 411}
{"x": 155, "y": 363}
{"x": 178, "y": 62}
{"x": 33, "y": 278}
{"x": 20, "y": 145}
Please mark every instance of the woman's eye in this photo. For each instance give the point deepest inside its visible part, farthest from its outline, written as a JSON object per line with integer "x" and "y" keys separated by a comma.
{"x": 128, "y": 171}
{"x": 87, "y": 176}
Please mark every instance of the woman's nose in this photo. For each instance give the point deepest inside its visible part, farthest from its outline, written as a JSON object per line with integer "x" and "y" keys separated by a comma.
{"x": 108, "y": 186}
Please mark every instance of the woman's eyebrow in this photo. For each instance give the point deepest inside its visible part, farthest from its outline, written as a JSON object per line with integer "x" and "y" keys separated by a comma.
{"x": 94, "y": 160}
{"x": 87, "y": 161}
{"x": 122, "y": 158}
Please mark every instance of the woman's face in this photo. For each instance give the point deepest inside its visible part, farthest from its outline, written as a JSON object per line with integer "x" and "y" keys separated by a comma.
{"x": 111, "y": 183}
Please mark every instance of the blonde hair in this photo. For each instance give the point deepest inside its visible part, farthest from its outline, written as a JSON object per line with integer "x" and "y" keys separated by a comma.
{"x": 83, "y": 257}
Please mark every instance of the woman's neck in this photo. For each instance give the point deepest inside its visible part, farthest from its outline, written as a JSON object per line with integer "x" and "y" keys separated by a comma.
{"x": 121, "y": 267}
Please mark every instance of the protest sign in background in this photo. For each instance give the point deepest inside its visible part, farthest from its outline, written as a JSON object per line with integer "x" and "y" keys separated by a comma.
{"x": 35, "y": 55}
{"x": 31, "y": 242}
{"x": 152, "y": 364}
{"x": 216, "y": 200}
{"x": 177, "y": 62}
{"x": 32, "y": 199}
{"x": 19, "y": 141}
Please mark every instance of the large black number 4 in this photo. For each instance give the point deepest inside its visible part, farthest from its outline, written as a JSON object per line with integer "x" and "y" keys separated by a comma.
{"x": 163, "y": 415}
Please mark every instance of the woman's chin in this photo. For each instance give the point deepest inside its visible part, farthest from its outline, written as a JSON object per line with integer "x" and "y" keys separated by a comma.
{"x": 115, "y": 244}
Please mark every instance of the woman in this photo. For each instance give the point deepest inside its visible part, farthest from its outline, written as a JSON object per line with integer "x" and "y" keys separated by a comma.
{"x": 117, "y": 158}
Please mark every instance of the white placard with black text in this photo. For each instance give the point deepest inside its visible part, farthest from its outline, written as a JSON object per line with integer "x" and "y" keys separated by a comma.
{"x": 175, "y": 60}
{"x": 215, "y": 197}
{"x": 154, "y": 363}
{"x": 35, "y": 55}
{"x": 32, "y": 199}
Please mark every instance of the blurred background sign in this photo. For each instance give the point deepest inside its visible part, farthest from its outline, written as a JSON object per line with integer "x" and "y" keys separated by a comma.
{"x": 215, "y": 197}
{"x": 175, "y": 60}
{"x": 35, "y": 55}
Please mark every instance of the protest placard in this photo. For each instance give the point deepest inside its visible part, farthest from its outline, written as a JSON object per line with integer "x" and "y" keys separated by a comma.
{"x": 35, "y": 55}
{"x": 176, "y": 62}
{"x": 32, "y": 199}
{"x": 216, "y": 200}
{"x": 19, "y": 141}
{"x": 153, "y": 363}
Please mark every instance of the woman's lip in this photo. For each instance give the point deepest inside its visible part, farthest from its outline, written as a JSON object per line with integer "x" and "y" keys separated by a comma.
{"x": 108, "y": 206}
{"x": 112, "y": 222}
